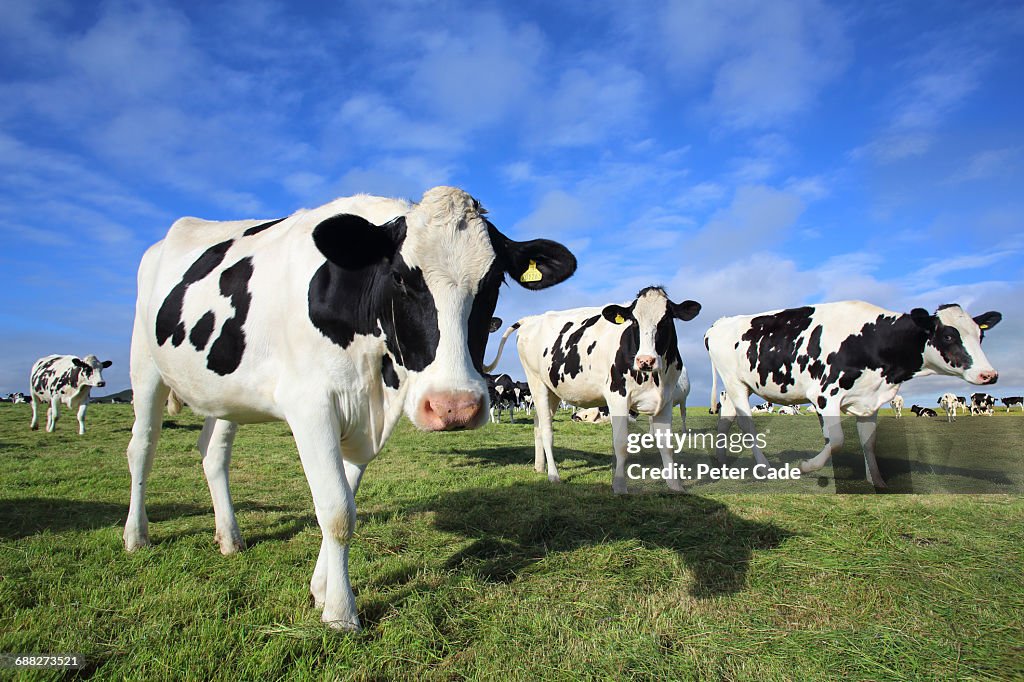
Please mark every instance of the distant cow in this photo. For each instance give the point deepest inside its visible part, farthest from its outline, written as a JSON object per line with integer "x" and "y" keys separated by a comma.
{"x": 66, "y": 379}
{"x": 948, "y": 403}
{"x": 1010, "y": 402}
{"x": 592, "y": 415}
{"x": 500, "y": 388}
{"x": 18, "y": 398}
{"x": 718, "y": 405}
{"x": 962, "y": 404}
{"x": 790, "y": 410}
{"x": 897, "y": 405}
{"x": 622, "y": 356}
{"x": 923, "y": 411}
{"x": 982, "y": 403}
{"x": 849, "y": 357}
{"x": 763, "y": 407}
{"x": 336, "y": 320}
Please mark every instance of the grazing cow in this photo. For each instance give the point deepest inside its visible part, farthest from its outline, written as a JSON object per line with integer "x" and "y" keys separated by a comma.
{"x": 66, "y": 379}
{"x": 923, "y": 411}
{"x": 948, "y": 403}
{"x": 625, "y": 357}
{"x": 849, "y": 357}
{"x": 336, "y": 320}
{"x": 764, "y": 407}
{"x": 897, "y": 405}
{"x": 982, "y": 403}
{"x": 1010, "y": 402}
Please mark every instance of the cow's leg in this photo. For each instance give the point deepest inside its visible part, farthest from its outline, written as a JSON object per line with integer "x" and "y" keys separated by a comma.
{"x": 52, "y": 414}
{"x": 318, "y": 585}
{"x": 317, "y": 436}
{"x": 832, "y": 429}
{"x": 739, "y": 397}
{"x": 866, "y": 428}
{"x": 661, "y": 423}
{"x": 543, "y": 434}
{"x": 215, "y": 447}
{"x": 150, "y": 396}
{"x": 726, "y": 417}
{"x": 619, "y": 414}
{"x": 81, "y": 417}
{"x": 36, "y": 402}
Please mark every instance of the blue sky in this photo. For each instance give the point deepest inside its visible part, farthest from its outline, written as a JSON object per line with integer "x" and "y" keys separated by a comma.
{"x": 748, "y": 155}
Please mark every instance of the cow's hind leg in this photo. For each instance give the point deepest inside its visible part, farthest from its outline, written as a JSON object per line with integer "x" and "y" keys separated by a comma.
{"x": 832, "y": 429}
{"x": 543, "y": 433}
{"x": 81, "y": 417}
{"x": 215, "y": 447}
{"x": 34, "y": 424}
{"x": 866, "y": 430}
{"x": 52, "y": 414}
{"x": 661, "y": 423}
{"x": 150, "y": 394}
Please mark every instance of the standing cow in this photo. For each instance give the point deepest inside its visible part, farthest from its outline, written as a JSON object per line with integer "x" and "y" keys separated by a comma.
{"x": 1012, "y": 401}
{"x": 625, "y": 357}
{"x": 983, "y": 403}
{"x": 948, "y": 402}
{"x": 335, "y": 319}
{"x": 897, "y": 405}
{"x": 66, "y": 379}
{"x": 849, "y": 357}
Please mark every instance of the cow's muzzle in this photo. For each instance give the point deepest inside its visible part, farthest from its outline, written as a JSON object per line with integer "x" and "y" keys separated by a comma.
{"x": 646, "y": 363}
{"x": 450, "y": 411}
{"x": 988, "y": 377}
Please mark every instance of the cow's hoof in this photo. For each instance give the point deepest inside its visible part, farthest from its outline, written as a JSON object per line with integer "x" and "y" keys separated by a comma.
{"x": 229, "y": 543}
{"x": 553, "y": 478}
{"x": 343, "y": 624}
{"x": 34, "y": 427}
{"x": 134, "y": 542}
{"x": 620, "y": 489}
{"x": 806, "y": 467}
{"x": 676, "y": 487}
{"x": 316, "y": 602}
{"x": 539, "y": 468}
{"x": 878, "y": 484}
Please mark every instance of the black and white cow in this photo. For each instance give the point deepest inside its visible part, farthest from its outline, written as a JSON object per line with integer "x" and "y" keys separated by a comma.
{"x": 923, "y": 411}
{"x": 622, "y": 356}
{"x": 1011, "y": 401}
{"x": 66, "y": 379}
{"x": 948, "y": 402}
{"x": 849, "y": 357}
{"x": 335, "y": 319}
{"x": 18, "y": 398}
{"x": 983, "y": 403}
{"x": 766, "y": 408}
{"x": 897, "y": 405}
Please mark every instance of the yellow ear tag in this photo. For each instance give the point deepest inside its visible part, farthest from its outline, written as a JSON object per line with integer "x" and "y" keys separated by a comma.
{"x": 532, "y": 274}
{"x": 619, "y": 319}
{"x": 983, "y": 326}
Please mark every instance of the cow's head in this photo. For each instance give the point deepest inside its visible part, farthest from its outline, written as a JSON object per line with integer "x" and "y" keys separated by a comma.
{"x": 90, "y": 370}
{"x": 954, "y": 342}
{"x": 650, "y": 340}
{"x": 430, "y": 280}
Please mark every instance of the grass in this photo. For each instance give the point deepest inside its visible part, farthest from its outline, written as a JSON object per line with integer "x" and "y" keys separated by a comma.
{"x": 467, "y": 564}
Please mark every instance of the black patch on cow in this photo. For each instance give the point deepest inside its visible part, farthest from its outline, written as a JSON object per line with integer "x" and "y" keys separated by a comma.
{"x": 950, "y": 345}
{"x": 256, "y": 229}
{"x": 591, "y": 347}
{"x": 44, "y": 373}
{"x": 545, "y": 353}
{"x": 565, "y": 356}
{"x": 810, "y": 359}
{"x": 893, "y": 345}
{"x": 665, "y": 342}
{"x": 822, "y": 401}
{"x": 168, "y": 319}
{"x": 228, "y": 348}
{"x": 773, "y": 341}
{"x": 484, "y": 303}
{"x": 201, "y": 331}
{"x": 629, "y": 344}
{"x": 387, "y": 371}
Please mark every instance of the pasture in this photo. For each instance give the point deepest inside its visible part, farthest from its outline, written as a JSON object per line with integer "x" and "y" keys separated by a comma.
{"x": 468, "y": 565}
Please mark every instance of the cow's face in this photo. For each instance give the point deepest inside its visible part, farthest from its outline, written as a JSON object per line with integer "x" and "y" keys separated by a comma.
{"x": 431, "y": 281}
{"x": 90, "y": 371}
{"x": 954, "y": 342}
{"x": 651, "y": 328}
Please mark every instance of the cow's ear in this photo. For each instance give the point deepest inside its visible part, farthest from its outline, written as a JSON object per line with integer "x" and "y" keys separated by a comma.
{"x": 616, "y": 314}
{"x": 78, "y": 363}
{"x": 988, "y": 320}
{"x": 353, "y": 243}
{"x": 107, "y": 363}
{"x": 687, "y": 310}
{"x": 536, "y": 264}
{"x": 922, "y": 318}
{"x": 495, "y": 325}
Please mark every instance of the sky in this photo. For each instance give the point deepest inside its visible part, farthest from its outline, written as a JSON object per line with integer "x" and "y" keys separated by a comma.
{"x": 749, "y": 155}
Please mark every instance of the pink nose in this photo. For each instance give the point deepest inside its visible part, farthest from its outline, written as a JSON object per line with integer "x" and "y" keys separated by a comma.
{"x": 645, "y": 362}
{"x": 988, "y": 376}
{"x": 450, "y": 411}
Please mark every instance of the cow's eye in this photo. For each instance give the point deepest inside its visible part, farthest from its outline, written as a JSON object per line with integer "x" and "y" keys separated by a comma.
{"x": 948, "y": 338}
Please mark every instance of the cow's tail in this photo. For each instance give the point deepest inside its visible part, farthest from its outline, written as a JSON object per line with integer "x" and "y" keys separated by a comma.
{"x": 504, "y": 337}
{"x": 173, "y": 404}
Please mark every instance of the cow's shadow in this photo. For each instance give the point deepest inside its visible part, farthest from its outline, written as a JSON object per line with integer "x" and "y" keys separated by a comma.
{"x": 520, "y": 455}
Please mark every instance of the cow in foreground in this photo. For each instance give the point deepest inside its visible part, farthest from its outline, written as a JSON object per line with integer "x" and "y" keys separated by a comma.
{"x": 336, "y": 320}
{"x": 948, "y": 402}
{"x": 66, "y": 379}
{"x": 897, "y": 405}
{"x": 846, "y": 358}
{"x": 622, "y": 356}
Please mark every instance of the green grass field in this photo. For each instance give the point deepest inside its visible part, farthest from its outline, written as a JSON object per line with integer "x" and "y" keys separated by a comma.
{"x": 467, "y": 564}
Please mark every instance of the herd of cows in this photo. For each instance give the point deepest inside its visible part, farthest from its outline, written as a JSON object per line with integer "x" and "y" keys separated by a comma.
{"x": 342, "y": 318}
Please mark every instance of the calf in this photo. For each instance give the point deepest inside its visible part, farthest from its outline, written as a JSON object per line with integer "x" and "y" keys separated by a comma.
{"x": 948, "y": 403}
{"x": 66, "y": 379}
{"x": 923, "y": 411}
{"x": 897, "y": 405}
{"x": 1010, "y": 402}
{"x": 336, "y": 320}
{"x": 982, "y": 403}
{"x": 622, "y": 356}
{"x": 849, "y": 357}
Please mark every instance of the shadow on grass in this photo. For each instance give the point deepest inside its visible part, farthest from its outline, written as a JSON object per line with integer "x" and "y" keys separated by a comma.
{"x": 520, "y": 455}
{"x": 167, "y": 424}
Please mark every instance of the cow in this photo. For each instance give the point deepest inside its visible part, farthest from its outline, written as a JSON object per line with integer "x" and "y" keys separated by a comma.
{"x": 66, "y": 379}
{"x": 847, "y": 357}
{"x": 790, "y": 410}
{"x": 18, "y": 398}
{"x": 523, "y": 397}
{"x": 335, "y": 320}
{"x": 766, "y": 408}
{"x": 622, "y": 356}
{"x": 948, "y": 403}
{"x": 923, "y": 411}
{"x": 500, "y": 389}
{"x": 982, "y": 403}
{"x": 592, "y": 415}
{"x": 897, "y": 405}
{"x": 962, "y": 405}
{"x": 1011, "y": 401}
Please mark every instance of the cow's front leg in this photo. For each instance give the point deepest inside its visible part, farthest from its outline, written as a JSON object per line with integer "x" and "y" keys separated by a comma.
{"x": 661, "y": 429}
{"x": 832, "y": 429}
{"x": 318, "y": 584}
{"x": 215, "y": 447}
{"x": 543, "y": 433}
{"x": 317, "y": 436}
{"x": 620, "y": 433}
{"x": 34, "y": 424}
{"x": 866, "y": 429}
{"x": 81, "y": 418}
